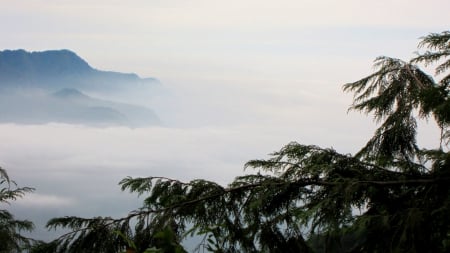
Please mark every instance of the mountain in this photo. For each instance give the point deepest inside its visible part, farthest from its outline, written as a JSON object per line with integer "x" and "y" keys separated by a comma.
{"x": 59, "y": 86}
{"x": 20, "y": 65}
{"x": 91, "y": 109}
{"x": 56, "y": 69}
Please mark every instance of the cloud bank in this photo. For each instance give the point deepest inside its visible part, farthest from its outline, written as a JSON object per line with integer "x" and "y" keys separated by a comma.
{"x": 243, "y": 78}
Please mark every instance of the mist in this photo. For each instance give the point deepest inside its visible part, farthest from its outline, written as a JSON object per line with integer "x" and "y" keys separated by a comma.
{"x": 76, "y": 168}
{"x": 209, "y": 130}
{"x": 237, "y": 81}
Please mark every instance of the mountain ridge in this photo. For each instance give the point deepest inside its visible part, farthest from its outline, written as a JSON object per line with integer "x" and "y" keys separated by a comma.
{"x": 55, "y": 69}
{"x": 57, "y": 86}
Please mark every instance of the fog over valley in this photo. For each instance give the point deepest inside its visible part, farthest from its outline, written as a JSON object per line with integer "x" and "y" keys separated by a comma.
{"x": 74, "y": 148}
{"x": 94, "y": 91}
{"x": 73, "y": 142}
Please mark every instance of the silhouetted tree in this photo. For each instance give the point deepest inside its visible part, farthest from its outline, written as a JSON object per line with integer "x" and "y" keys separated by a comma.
{"x": 11, "y": 239}
{"x": 392, "y": 196}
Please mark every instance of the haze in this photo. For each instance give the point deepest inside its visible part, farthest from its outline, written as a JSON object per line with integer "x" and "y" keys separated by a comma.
{"x": 241, "y": 79}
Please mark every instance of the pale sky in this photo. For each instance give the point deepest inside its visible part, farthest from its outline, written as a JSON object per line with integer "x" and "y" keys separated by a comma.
{"x": 243, "y": 77}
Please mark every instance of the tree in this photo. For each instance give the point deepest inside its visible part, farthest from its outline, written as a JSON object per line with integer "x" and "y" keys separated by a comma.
{"x": 392, "y": 196}
{"x": 10, "y": 228}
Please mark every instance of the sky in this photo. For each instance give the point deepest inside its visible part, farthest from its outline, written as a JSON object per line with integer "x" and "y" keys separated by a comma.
{"x": 242, "y": 79}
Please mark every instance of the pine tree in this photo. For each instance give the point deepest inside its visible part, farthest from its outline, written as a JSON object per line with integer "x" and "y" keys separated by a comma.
{"x": 11, "y": 239}
{"x": 392, "y": 196}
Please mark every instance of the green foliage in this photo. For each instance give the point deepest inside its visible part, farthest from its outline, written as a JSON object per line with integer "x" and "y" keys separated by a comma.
{"x": 392, "y": 196}
{"x": 395, "y": 92}
{"x": 10, "y": 228}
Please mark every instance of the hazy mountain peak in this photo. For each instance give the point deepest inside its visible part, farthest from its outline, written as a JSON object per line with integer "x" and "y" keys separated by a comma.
{"x": 57, "y": 86}
{"x": 36, "y": 64}
{"x": 69, "y": 93}
{"x": 62, "y": 60}
{"x": 56, "y": 69}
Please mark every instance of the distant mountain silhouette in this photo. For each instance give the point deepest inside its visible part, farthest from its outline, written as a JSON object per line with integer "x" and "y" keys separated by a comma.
{"x": 92, "y": 110}
{"x": 19, "y": 67}
{"x": 54, "y": 86}
{"x": 56, "y": 69}
{"x": 69, "y": 93}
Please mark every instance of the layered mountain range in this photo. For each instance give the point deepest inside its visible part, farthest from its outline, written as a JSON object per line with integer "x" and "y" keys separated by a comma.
{"x": 59, "y": 86}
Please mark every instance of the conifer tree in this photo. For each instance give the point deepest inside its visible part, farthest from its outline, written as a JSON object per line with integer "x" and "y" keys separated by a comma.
{"x": 392, "y": 196}
{"x": 11, "y": 239}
